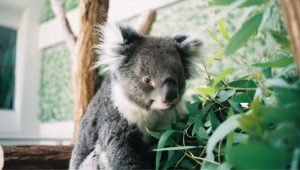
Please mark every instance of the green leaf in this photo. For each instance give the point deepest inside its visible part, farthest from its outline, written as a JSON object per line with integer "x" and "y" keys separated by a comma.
{"x": 295, "y": 159}
{"x": 266, "y": 17}
{"x": 267, "y": 71}
{"x": 225, "y": 95}
{"x": 223, "y": 29}
{"x": 222, "y": 75}
{"x": 278, "y": 114}
{"x": 281, "y": 39}
{"x": 206, "y": 165}
{"x": 225, "y": 166}
{"x": 176, "y": 148}
{"x": 243, "y": 84}
{"x": 224, "y": 2}
{"x": 186, "y": 164}
{"x": 230, "y": 137}
{"x": 245, "y": 4}
{"x": 173, "y": 159}
{"x": 253, "y": 2}
{"x": 236, "y": 106}
{"x": 241, "y": 36}
{"x": 101, "y": 71}
{"x": 224, "y": 129}
{"x": 193, "y": 108}
{"x": 161, "y": 143}
{"x": 282, "y": 62}
{"x": 205, "y": 90}
{"x": 251, "y": 124}
{"x": 242, "y": 98}
{"x": 214, "y": 120}
{"x": 257, "y": 156}
{"x": 202, "y": 133}
{"x": 154, "y": 134}
{"x": 213, "y": 36}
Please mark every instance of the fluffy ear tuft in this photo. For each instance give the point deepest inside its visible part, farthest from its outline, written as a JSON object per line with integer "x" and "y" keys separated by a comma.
{"x": 129, "y": 35}
{"x": 117, "y": 43}
{"x": 189, "y": 49}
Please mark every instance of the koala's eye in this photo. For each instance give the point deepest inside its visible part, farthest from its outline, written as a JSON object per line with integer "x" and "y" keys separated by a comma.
{"x": 148, "y": 80}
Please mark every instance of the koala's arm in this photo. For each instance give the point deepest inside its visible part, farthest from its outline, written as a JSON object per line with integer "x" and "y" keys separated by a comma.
{"x": 122, "y": 147}
{"x": 85, "y": 143}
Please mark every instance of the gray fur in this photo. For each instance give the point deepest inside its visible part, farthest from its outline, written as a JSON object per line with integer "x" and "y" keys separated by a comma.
{"x": 113, "y": 129}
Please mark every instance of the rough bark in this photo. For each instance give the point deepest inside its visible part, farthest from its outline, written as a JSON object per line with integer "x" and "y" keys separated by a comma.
{"x": 145, "y": 22}
{"x": 86, "y": 81}
{"x": 291, "y": 14}
{"x": 57, "y": 7}
{"x": 36, "y": 157}
{"x": 1, "y": 158}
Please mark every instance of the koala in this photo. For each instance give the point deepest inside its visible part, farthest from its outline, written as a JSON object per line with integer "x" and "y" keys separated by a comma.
{"x": 146, "y": 78}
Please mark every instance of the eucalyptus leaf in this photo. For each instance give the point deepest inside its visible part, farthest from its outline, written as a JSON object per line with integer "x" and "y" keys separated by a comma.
{"x": 282, "y": 62}
{"x": 176, "y": 148}
{"x": 247, "y": 3}
{"x": 257, "y": 156}
{"x": 205, "y": 90}
{"x": 161, "y": 143}
{"x": 223, "y": 29}
{"x": 281, "y": 39}
{"x": 222, "y": 75}
{"x": 154, "y": 134}
{"x": 173, "y": 159}
{"x": 243, "y": 34}
{"x": 214, "y": 120}
{"x": 243, "y": 84}
{"x": 225, "y": 95}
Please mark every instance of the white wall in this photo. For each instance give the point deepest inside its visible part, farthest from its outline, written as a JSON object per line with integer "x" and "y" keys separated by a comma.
{"x": 23, "y": 15}
{"x": 119, "y": 10}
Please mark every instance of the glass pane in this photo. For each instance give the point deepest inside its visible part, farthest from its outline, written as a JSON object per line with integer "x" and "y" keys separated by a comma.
{"x": 7, "y": 67}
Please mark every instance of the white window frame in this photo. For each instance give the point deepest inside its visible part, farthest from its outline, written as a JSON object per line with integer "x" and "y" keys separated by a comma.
{"x": 23, "y": 119}
{"x": 14, "y": 18}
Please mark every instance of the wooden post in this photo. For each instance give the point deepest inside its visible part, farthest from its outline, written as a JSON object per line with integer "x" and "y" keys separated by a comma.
{"x": 291, "y": 14}
{"x": 1, "y": 158}
{"x": 37, "y": 157}
{"x": 86, "y": 81}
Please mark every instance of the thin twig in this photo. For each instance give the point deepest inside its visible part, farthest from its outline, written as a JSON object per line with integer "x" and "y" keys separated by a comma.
{"x": 57, "y": 7}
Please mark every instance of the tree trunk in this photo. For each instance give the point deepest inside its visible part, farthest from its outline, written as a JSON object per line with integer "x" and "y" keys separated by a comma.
{"x": 1, "y": 158}
{"x": 291, "y": 14}
{"x": 37, "y": 157}
{"x": 86, "y": 81}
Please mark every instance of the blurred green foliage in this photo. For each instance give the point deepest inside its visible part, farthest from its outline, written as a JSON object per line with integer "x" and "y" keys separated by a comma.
{"x": 56, "y": 97}
{"x": 47, "y": 13}
{"x": 245, "y": 113}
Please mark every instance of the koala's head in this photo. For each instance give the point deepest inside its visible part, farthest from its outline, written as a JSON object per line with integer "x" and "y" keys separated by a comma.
{"x": 151, "y": 71}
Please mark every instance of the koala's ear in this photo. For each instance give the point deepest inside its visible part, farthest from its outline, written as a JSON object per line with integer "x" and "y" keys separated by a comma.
{"x": 189, "y": 50}
{"x": 129, "y": 35}
{"x": 118, "y": 43}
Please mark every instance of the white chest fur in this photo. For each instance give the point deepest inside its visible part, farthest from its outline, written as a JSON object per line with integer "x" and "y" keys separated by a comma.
{"x": 136, "y": 115}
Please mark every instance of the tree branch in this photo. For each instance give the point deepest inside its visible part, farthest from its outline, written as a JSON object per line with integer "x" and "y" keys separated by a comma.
{"x": 57, "y": 7}
{"x": 145, "y": 22}
{"x": 291, "y": 15}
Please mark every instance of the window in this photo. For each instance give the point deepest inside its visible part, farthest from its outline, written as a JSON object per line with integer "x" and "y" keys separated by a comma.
{"x": 7, "y": 67}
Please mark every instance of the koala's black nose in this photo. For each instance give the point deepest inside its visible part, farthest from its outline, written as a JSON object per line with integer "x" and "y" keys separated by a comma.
{"x": 170, "y": 91}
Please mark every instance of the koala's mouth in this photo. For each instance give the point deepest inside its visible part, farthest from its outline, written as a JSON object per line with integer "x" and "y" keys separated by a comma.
{"x": 162, "y": 105}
